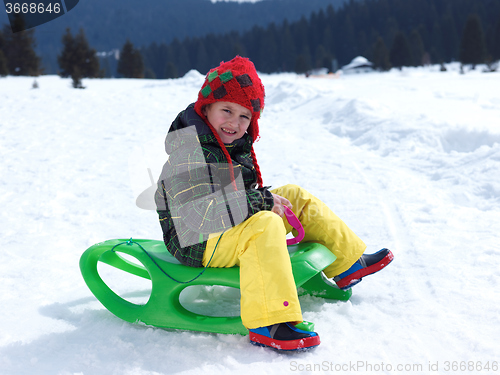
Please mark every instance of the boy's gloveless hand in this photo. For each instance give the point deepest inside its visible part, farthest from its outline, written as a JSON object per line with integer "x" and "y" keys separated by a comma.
{"x": 279, "y": 203}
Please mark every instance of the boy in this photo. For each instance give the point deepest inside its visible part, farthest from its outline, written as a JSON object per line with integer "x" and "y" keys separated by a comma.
{"x": 215, "y": 211}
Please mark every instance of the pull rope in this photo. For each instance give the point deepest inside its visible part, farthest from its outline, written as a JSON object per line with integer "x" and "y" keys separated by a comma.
{"x": 130, "y": 242}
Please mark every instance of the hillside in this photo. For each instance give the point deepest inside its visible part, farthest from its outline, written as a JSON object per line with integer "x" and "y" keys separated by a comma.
{"x": 109, "y": 23}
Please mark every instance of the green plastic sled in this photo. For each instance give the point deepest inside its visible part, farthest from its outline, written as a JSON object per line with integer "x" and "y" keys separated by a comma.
{"x": 163, "y": 309}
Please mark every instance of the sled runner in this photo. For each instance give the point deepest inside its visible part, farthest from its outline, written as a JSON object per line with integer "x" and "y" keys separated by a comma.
{"x": 169, "y": 278}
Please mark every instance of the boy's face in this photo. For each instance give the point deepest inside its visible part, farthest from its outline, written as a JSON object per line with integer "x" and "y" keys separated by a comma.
{"x": 230, "y": 120}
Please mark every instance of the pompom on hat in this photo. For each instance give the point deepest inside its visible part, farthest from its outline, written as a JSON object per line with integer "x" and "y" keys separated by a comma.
{"x": 235, "y": 81}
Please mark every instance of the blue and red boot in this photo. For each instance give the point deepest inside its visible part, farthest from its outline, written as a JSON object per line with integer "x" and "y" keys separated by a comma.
{"x": 284, "y": 336}
{"x": 364, "y": 266}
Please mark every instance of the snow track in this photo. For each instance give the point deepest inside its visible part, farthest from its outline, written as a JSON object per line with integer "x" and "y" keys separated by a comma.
{"x": 394, "y": 222}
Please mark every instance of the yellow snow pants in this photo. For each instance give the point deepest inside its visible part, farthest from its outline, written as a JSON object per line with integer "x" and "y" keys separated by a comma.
{"x": 258, "y": 247}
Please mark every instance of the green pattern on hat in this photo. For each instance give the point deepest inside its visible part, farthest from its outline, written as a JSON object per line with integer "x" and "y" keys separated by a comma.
{"x": 213, "y": 75}
{"x": 206, "y": 91}
{"x": 226, "y": 76}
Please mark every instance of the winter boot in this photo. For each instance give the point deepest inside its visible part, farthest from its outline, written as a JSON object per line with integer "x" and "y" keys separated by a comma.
{"x": 284, "y": 336}
{"x": 366, "y": 265}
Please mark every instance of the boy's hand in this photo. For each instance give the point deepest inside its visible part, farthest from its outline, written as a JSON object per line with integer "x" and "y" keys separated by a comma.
{"x": 279, "y": 203}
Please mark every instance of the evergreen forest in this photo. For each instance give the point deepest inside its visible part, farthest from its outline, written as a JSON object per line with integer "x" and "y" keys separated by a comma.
{"x": 390, "y": 33}
{"x": 422, "y": 31}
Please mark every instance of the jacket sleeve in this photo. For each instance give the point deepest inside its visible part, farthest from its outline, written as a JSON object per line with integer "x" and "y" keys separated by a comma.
{"x": 201, "y": 197}
{"x": 259, "y": 200}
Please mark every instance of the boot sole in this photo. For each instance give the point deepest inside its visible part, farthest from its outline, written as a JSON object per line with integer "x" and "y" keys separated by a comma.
{"x": 288, "y": 345}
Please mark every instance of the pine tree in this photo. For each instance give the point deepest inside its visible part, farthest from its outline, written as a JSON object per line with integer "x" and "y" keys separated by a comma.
{"x": 390, "y": 29}
{"x": 328, "y": 40}
{"x": 287, "y": 49}
{"x": 301, "y": 64}
{"x": 171, "y": 70}
{"x": 495, "y": 52}
{"x": 155, "y": 57}
{"x": 322, "y": 58}
{"x": 149, "y": 73}
{"x": 202, "y": 58}
{"x": 436, "y": 50}
{"x": 2, "y": 42}
{"x": 268, "y": 51}
{"x": 381, "y": 55}
{"x": 4, "y": 70}
{"x": 184, "y": 63}
{"x": 131, "y": 64}
{"x": 300, "y": 36}
{"x": 238, "y": 50}
{"x": 417, "y": 47}
{"x": 450, "y": 39}
{"x": 303, "y": 60}
{"x": 19, "y": 50}
{"x": 90, "y": 63}
{"x": 77, "y": 59}
{"x": 400, "y": 54}
{"x": 348, "y": 46}
{"x": 472, "y": 45}
{"x": 211, "y": 41}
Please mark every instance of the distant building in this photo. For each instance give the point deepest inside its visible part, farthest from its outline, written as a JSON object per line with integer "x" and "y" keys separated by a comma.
{"x": 358, "y": 65}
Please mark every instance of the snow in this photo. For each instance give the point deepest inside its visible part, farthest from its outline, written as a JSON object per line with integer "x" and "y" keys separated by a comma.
{"x": 358, "y": 62}
{"x": 409, "y": 160}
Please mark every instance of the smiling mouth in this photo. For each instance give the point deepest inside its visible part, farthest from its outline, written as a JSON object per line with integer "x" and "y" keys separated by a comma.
{"x": 227, "y": 131}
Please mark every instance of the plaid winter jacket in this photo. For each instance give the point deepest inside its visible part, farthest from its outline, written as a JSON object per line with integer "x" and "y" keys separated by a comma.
{"x": 195, "y": 195}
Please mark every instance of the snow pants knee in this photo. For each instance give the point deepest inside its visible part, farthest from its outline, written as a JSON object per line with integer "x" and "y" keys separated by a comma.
{"x": 321, "y": 225}
{"x": 258, "y": 247}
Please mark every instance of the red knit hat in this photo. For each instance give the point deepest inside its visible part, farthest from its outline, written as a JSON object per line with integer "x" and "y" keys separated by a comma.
{"x": 234, "y": 81}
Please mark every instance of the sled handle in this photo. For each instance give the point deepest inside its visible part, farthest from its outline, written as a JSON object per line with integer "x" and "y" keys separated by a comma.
{"x": 295, "y": 223}
{"x": 122, "y": 308}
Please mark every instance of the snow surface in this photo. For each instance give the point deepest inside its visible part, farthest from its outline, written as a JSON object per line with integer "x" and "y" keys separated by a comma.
{"x": 410, "y": 160}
